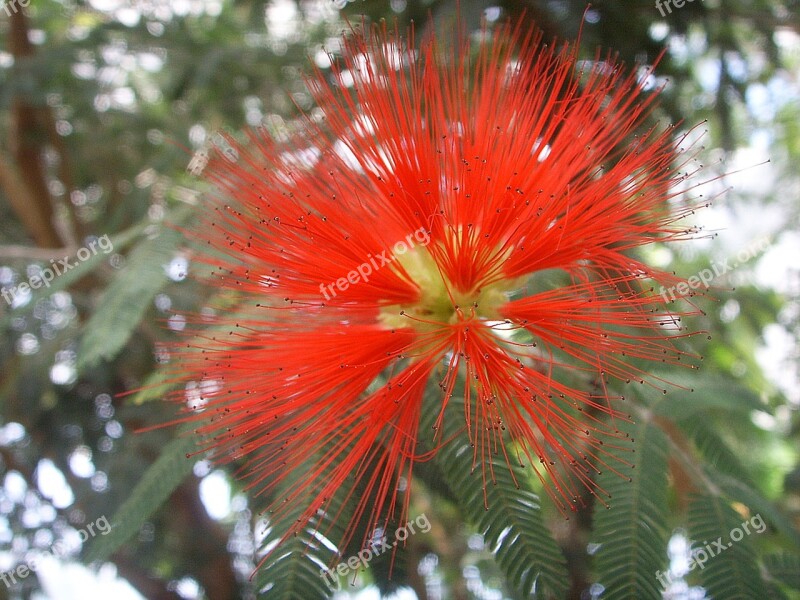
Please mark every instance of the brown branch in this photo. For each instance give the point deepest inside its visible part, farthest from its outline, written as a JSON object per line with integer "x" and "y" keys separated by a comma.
{"x": 682, "y": 480}
{"x": 31, "y": 253}
{"x": 26, "y": 185}
{"x": 74, "y": 228}
{"x": 205, "y": 542}
{"x": 37, "y": 222}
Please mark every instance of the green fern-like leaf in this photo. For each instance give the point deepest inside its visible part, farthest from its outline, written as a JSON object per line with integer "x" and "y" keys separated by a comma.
{"x": 739, "y": 491}
{"x": 390, "y": 571}
{"x": 292, "y": 573}
{"x": 127, "y": 298}
{"x": 731, "y": 573}
{"x": 301, "y": 566}
{"x": 632, "y": 532}
{"x": 157, "y": 385}
{"x": 158, "y": 482}
{"x": 512, "y": 524}
{"x": 709, "y": 393}
{"x": 79, "y": 270}
{"x": 713, "y": 448}
{"x": 784, "y": 568}
{"x": 161, "y": 382}
{"x": 297, "y": 568}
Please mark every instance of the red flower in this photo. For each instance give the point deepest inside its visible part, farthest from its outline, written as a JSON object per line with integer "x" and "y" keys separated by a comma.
{"x": 443, "y": 218}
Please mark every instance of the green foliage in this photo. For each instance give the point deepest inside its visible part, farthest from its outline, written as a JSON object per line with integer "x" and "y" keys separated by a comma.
{"x": 785, "y": 568}
{"x": 157, "y": 385}
{"x": 114, "y": 167}
{"x": 632, "y": 532}
{"x": 505, "y": 510}
{"x": 79, "y": 270}
{"x": 127, "y": 298}
{"x": 290, "y": 572}
{"x": 389, "y": 571}
{"x": 161, "y": 382}
{"x": 702, "y": 393}
{"x": 713, "y": 448}
{"x": 294, "y": 569}
{"x": 149, "y": 494}
{"x": 732, "y": 573}
{"x": 737, "y": 490}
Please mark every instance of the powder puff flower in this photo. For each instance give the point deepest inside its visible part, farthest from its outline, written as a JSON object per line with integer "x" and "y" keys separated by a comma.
{"x": 464, "y": 221}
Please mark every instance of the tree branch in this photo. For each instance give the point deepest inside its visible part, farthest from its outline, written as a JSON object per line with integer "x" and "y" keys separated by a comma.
{"x": 32, "y": 253}
{"x": 26, "y": 185}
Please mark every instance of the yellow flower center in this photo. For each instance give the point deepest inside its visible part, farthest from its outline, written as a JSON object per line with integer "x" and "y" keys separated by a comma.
{"x": 440, "y": 302}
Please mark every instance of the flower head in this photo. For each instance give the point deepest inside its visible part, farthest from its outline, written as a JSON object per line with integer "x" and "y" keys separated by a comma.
{"x": 461, "y": 220}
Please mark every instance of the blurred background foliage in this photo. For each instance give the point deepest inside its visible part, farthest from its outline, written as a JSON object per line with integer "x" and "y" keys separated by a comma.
{"x": 102, "y": 105}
